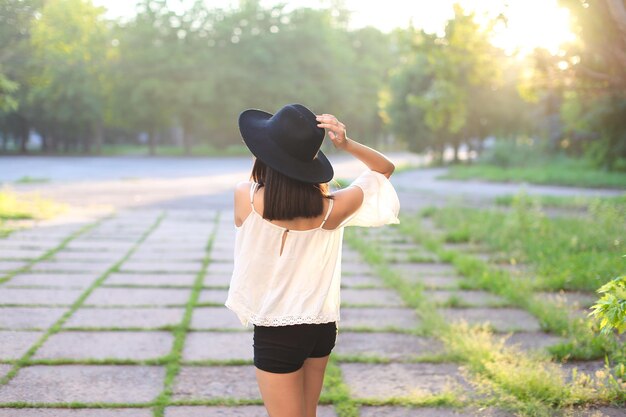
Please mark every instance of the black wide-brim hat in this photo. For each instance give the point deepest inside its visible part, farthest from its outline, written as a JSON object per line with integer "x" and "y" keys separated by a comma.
{"x": 288, "y": 142}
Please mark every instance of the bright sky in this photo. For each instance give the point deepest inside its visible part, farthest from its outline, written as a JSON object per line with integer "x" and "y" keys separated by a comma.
{"x": 531, "y": 23}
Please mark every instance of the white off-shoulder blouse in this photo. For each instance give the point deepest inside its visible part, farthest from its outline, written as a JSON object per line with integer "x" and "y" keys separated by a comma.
{"x": 301, "y": 284}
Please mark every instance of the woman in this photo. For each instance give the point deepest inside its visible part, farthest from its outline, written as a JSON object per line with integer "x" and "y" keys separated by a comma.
{"x": 287, "y": 271}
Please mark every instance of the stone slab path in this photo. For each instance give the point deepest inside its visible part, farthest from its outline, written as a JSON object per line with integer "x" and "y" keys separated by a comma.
{"x": 128, "y": 309}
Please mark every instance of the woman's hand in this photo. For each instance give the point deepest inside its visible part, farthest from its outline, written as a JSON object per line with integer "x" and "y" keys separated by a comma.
{"x": 336, "y": 129}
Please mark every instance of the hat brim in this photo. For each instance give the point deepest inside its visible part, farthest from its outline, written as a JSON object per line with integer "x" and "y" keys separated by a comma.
{"x": 255, "y": 133}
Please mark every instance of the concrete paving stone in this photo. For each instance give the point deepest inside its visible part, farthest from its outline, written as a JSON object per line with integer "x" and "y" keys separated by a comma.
{"x": 398, "y": 411}
{"x": 75, "y": 412}
{"x": 43, "y": 296}
{"x": 177, "y": 245}
{"x": 435, "y": 282}
{"x": 218, "y": 346}
{"x": 15, "y": 344}
{"x": 399, "y": 380}
{"x": 220, "y": 268}
{"x": 157, "y": 247}
{"x": 533, "y": 340}
{"x": 348, "y": 255}
{"x": 391, "y": 346}
{"x": 59, "y": 280}
{"x": 359, "y": 268}
{"x": 238, "y": 411}
{"x": 378, "y": 318}
{"x": 571, "y": 299}
{"x": 602, "y": 412}
{"x": 71, "y": 256}
{"x": 464, "y": 297}
{"x": 501, "y": 319}
{"x": 204, "y": 318}
{"x": 98, "y": 267}
{"x": 424, "y": 268}
{"x": 42, "y": 245}
{"x": 8, "y": 266}
{"x": 99, "y": 245}
{"x": 106, "y": 344}
{"x": 37, "y": 234}
{"x": 138, "y": 296}
{"x": 20, "y": 254}
{"x": 222, "y": 255}
{"x": 350, "y": 281}
{"x": 84, "y": 383}
{"x": 164, "y": 267}
{"x": 224, "y": 241}
{"x": 371, "y": 297}
{"x": 108, "y": 236}
{"x": 151, "y": 279}
{"x": 27, "y": 318}
{"x": 143, "y": 257}
{"x": 410, "y": 257}
{"x": 121, "y": 318}
{"x": 212, "y": 382}
{"x": 213, "y": 296}
{"x": 399, "y": 247}
{"x": 217, "y": 280}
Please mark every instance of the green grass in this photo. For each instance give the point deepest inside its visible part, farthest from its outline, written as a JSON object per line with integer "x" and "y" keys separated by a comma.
{"x": 31, "y": 180}
{"x": 15, "y": 209}
{"x": 575, "y": 202}
{"x": 526, "y": 383}
{"x": 572, "y": 173}
{"x": 580, "y": 253}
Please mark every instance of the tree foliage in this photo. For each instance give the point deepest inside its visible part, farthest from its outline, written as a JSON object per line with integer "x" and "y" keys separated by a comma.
{"x": 181, "y": 75}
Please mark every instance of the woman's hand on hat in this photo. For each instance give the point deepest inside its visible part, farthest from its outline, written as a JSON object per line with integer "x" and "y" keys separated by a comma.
{"x": 336, "y": 129}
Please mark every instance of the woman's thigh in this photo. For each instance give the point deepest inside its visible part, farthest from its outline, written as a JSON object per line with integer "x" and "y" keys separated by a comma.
{"x": 283, "y": 394}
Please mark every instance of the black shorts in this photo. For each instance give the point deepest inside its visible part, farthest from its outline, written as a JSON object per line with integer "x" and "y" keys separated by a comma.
{"x": 283, "y": 349}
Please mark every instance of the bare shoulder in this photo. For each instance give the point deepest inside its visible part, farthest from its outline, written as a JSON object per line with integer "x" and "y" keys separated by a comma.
{"x": 242, "y": 201}
{"x": 346, "y": 202}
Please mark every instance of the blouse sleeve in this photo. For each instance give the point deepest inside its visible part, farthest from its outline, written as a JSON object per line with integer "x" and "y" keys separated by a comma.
{"x": 380, "y": 202}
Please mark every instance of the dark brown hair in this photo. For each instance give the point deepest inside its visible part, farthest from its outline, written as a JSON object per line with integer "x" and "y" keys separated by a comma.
{"x": 286, "y": 198}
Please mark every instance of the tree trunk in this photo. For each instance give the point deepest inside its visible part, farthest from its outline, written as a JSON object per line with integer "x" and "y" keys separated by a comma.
{"x": 23, "y": 135}
{"x": 98, "y": 137}
{"x": 187, "y": 138}
{"x": 152, "y": 142}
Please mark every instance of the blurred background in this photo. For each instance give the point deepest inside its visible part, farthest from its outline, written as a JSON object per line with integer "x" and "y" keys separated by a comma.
{"x": 515, "y": 83}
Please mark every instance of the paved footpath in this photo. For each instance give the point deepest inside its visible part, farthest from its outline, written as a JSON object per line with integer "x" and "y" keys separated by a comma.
{"x": 124, "y": 317}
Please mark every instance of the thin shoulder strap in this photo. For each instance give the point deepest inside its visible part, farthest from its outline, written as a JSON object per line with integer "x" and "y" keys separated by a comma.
{"x": 330, "y": 208}
{"x": 252, "y": 190}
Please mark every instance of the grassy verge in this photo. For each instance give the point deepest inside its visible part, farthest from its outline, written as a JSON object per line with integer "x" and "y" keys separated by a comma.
{"x": 529, "y": 384}
{"x": 570, "y": 174}
{"x": 576, "y": 202}
{"x": 566, "y": 253}
{"x": 15, "y": 210}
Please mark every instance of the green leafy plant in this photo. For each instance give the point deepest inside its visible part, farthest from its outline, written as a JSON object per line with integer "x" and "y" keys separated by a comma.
{"x": 610, "y": 309}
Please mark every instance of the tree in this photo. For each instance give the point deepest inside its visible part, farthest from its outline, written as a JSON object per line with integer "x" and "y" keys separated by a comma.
{"x": 453, "y": 70}
{"x": 69, "y": 43}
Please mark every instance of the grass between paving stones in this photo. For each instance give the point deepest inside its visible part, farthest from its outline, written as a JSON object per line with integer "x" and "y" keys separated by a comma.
{"x": 25, "y": 360}
{"x": 528, "y": 383}
{"x": 173, "y": 364}
{"x": 51, "y": 252}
